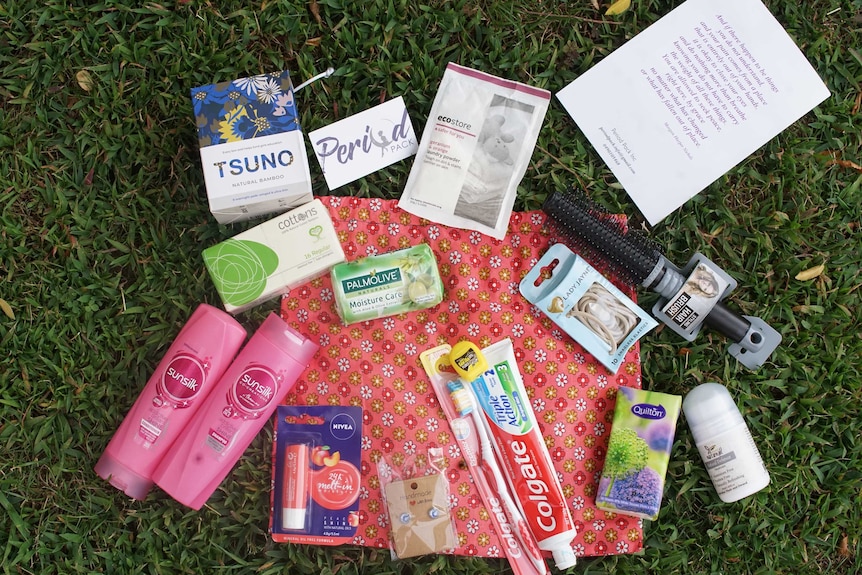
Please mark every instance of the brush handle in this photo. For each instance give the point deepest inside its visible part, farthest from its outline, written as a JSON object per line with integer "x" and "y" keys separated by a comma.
{"x": 516, "y": 518}
{"x": 516, "y": 523}
{"x": 727, "y": 322}
{"x": 492, "y": 468}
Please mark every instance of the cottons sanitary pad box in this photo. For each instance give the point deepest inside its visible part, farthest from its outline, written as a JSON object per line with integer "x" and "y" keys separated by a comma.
{"x": 252, "y": 148}
{"x": 273, "y": 257}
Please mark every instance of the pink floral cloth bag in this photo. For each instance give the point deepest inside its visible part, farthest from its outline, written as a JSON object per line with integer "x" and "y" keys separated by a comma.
{"x": 376, "y": 365}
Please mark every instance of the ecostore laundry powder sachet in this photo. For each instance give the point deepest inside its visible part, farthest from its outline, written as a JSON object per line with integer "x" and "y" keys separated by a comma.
{"x": 474, "y": 150}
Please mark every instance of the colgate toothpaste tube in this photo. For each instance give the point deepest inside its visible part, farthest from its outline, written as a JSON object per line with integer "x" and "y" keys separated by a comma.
{"x": 519, "y": 545}
{"x": 512, "y": 424}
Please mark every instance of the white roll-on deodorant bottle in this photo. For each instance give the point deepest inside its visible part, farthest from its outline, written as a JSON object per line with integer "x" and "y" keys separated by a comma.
{"x": 724, "y": 442}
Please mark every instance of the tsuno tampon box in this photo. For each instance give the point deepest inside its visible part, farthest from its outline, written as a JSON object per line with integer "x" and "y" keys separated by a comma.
{"x": 273, "y": 257}
{"x": 252, "y": 148}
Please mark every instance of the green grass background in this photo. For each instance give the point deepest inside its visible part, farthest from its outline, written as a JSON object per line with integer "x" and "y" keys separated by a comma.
{"x": 104, "y": 216}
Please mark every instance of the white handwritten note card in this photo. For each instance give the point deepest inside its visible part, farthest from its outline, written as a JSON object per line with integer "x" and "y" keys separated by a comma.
{"x": 691, "y": 96}
{"x": 364, "y": 143}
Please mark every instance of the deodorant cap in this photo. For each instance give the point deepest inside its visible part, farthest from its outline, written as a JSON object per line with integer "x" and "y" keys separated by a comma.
{"x": 710, "y": 410}
{"x": 132, "y": 484}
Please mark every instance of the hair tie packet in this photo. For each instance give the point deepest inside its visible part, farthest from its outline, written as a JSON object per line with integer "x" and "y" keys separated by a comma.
{"x": 586, "y": 305}
{"x": 474, "y": 150}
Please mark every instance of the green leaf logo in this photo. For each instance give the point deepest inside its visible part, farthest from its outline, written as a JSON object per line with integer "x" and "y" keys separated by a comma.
{"x": 239, "y": 269}
{"x": 315, "y": 232}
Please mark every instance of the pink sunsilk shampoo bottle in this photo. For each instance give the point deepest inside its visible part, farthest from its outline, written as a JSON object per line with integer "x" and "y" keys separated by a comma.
{"x": 242, "y": 401}
{"x": 197, "y": 358}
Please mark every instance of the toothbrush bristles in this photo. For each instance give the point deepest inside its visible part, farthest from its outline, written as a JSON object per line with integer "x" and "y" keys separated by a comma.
{"x": 460, "y": 398}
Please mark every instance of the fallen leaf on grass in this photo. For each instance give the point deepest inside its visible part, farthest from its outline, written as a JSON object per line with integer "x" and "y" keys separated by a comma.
{"x": 847, "y": 164}
{"x": 844, "y": 548}
{"x": 810, "y": 273}
{"x": 7, "y": 309}
{"x": 618, "y": 7}
{"x": 808, "y": 309}
{"x": 85, "y": 80}
{"x": 835, "y": 160}
{"x": 314, "y": 8}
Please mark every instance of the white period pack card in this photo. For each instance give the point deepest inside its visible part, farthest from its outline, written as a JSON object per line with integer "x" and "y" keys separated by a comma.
{"x": 364, "y": 143}
{"x": 690, "y": 97}
{"x": 474, "y": 150}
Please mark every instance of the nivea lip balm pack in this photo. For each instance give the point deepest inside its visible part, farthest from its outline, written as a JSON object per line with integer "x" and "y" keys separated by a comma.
{"x": 316, "y": 474}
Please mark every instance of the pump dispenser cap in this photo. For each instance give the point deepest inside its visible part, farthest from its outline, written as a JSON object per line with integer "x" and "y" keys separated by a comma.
{"x": 710, "y": 410}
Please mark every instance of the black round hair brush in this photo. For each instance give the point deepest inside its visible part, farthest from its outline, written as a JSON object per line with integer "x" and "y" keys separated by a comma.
{"x": 633, "y": 256}
{"x": 588, "y": 227}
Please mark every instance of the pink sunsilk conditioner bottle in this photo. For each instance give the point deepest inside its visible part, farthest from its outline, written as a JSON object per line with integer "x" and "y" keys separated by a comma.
{"x": 241, "y": 402}
{"x": 196, "y": 360}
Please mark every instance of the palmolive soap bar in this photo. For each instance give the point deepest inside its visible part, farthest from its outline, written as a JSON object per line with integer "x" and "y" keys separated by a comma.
{"x": 387, "y": 284}
{"x": 273, "y": 257}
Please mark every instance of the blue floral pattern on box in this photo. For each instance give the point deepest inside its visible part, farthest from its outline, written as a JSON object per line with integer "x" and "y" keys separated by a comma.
{"x": 244, "y": 108}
